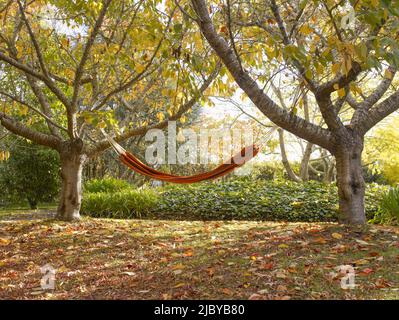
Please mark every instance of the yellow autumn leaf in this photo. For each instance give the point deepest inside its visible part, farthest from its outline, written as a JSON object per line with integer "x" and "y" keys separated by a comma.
{"x": 355, "y": 89}
{"x": 341, "y": 92}
{"x": 24, "y": 110}
{"x": 375, "y": 3}
{"x": 388, "y": 74}
{"x": 335, "y": 68}
{"x": 139, "y": 68}
{"x": 160, "y": 116}
{"x": 4, "y": 241}
{"x": 336, "y": 235}
{"x": 178, "y": 266}
{"x": 361, "y": 261}
{"x": 306, "y": 29}
{"x": 319, "y": 69}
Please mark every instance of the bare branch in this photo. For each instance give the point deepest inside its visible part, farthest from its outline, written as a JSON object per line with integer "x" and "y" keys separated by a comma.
{"x": 384, "y": 85}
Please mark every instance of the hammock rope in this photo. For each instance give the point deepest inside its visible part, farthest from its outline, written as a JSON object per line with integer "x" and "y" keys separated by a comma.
{"x": 132, "y": 162}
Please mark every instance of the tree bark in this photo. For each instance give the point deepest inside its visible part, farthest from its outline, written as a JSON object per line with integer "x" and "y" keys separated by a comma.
{"x": 32, "y": 203}
{"x": 329, "y": 174}
{"x": 72, "y": 161}
{"x": 304, "y": 172}
{"x": 350, "y": 182}
{"x": 284, "y": 159}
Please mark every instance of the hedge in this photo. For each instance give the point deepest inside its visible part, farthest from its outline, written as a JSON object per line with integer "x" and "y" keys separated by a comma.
{"x": 123, "y": 205}
{"x": 239, "y": 199}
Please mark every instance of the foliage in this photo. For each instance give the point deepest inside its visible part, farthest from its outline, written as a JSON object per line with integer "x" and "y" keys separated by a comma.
{"x": 107, "y": 185}
{"x": 269, "y": 170}
{"x": 123, "y": 204}
{"x": 243, "y": 198}
{"x": 374, "y": 176}
{"x": 143, "y": 55}
{"x": 30, "y": 173}
{"x": 382, "y": 151}
{"x": 389, "y": 208}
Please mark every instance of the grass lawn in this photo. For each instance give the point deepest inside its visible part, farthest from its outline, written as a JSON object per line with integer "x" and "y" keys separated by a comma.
{"x": 156, "y": 259}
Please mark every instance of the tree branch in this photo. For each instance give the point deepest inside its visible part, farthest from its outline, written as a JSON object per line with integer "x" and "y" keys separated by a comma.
{"x": 280, "y": 117}
{"x": 378, "y": 113}
{"x": 19, "y": 129}
{"x": 41, "y": 97}
{"x": 104, "y": 144}
{"x": 139, "y": 75}
{"x": 34, "y": 41}
{"x": 48, "y": 119}
{"x": 28, "y": 70}
{"x": 86, "y": 51}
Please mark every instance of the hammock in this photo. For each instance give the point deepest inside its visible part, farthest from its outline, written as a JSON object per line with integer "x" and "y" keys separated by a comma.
{"x": 246, "y": 154}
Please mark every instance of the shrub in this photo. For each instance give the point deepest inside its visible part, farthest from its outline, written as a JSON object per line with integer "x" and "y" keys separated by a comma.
{"x": 30, "y": 174}
{"x": 268, "y": 170}
{"x": 246, "y": 198}
{"x": 241, "y": 198}
{"x": 122, "y": 205}
{"x": 109, "y": 185}
{"x": 389, "y": 207}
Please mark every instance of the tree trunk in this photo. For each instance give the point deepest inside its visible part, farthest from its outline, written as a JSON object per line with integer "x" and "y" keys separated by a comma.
{"x": 284, "y": 159}
{"x": 72, "y": 161}
{"x": 32, "y": 203}
{"x": 350, "y": 182}
{"x": 304, "y": 172}
{"x": 329, "y": 175}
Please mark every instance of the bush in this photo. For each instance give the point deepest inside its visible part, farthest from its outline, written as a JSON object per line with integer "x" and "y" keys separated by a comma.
{"x": 241, "y": 198}
{"x": 109, "y": 185}
{"x": 122, "y": 205}
{"x": 246, "y": 198}
{"x": 268, "y": 170}
{"x": 30, "y": 174}
{"x": 389, "y": 207}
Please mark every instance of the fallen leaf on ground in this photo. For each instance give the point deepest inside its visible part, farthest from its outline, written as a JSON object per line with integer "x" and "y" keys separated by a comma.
{"x": 4, "y": 241}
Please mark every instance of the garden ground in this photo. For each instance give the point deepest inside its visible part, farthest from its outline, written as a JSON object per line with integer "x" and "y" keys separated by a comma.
{"x": 159, "y": 259}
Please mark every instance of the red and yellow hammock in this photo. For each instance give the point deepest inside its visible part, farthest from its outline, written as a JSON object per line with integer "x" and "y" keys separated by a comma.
{"x": 136, "y": 165}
